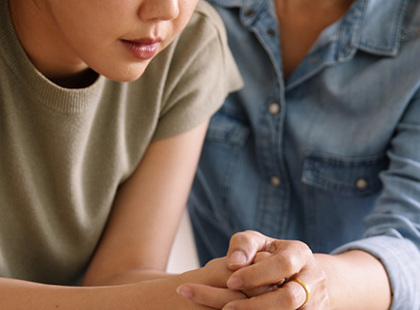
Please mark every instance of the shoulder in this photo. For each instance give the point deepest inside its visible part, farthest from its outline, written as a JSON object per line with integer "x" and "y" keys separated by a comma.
{"x": 205, "y": 22}
{"x": 205, "y": 10}
{"x": 204, "y": 39}
{"x": 199, "y": 56}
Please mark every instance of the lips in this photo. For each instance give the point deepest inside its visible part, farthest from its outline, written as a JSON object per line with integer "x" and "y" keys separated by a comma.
{"x": 142, "y": 49}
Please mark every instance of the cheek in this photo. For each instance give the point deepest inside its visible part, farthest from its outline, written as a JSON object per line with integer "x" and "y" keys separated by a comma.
{"x": 191, "y": 4}
{"x": 186, "y": 9}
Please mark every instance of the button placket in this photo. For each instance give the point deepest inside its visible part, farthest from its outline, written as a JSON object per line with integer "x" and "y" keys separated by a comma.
{"x": 271, "y": 32}
{"x": 248, "y": 13}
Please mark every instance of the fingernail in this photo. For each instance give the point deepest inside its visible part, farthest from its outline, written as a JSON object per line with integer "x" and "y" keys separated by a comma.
{"x": 234, "y": 283}
{"x": 229, "y": 307}
{"x": 237, "y": 258}
{"x": 184, "y": 291}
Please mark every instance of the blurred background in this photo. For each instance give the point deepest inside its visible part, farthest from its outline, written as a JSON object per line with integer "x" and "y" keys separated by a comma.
{"x": 183, "y": 255}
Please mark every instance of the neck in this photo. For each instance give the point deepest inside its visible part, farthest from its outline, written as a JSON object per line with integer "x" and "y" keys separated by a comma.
{"x": 309, "y": 13}
{"x": 310, "y": 4}
{"x": 301, "y": 22}
{"x": 42, "y": 43}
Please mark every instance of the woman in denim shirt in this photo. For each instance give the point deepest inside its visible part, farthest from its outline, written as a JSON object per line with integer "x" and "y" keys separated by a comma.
{"x": 322, "y": 145}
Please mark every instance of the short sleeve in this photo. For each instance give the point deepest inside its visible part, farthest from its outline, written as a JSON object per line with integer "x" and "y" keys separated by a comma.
{"x": 201, "y": 74}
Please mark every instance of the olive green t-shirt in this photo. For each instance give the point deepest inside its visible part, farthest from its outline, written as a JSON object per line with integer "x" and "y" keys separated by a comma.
{"x": 64, "y": 152}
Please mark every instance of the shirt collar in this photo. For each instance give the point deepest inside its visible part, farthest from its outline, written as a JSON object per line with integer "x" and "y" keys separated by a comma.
{"x": 249, "y": 9}
{"x": 231, "y": 3}
{"x": 378, "y": 28}
{"x": 374, "y": 26}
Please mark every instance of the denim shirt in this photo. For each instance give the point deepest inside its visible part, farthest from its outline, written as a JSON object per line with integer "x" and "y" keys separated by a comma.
{"x": 330, "y": 157}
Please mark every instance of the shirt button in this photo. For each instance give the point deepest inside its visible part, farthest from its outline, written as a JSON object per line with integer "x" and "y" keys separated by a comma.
{"x": 271, "y": 32}
{"x": 362, "y": 183}
{"x": 275, "y": 181}
{"x": 249, "y": 13}
{"x": 274, "y": 108}
{"x": 347, "y": 49}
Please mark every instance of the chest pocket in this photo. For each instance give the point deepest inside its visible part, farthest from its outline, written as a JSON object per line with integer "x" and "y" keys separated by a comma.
{"x": 226, "y": 129}
{"x": 344, "y": 175}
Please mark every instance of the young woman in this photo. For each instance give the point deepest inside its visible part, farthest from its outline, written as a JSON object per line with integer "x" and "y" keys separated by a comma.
{"x": 321, "y": 146}
{"x": 103, "y": 109}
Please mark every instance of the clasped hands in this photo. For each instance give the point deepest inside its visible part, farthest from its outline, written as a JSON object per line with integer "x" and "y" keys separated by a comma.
{"x": 262, "y": 273}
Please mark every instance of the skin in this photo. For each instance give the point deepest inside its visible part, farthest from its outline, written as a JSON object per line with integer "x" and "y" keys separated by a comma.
{"x": 155, "y": 294}
{"x": 71, "y": 42}
{"x": 64, "y": 39}
{"x": 300, "y": 24}
{"x": 262, "y": 263}
{"x": 131, "y": 274}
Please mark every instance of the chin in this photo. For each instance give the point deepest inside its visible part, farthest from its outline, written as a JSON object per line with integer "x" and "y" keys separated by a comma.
{"x": 129, "y": 75}
{"x": 124, "y": 78}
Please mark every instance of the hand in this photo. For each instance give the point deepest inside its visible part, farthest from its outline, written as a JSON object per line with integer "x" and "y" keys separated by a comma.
{"x": 213, "y": 292}
{"x": 261, "y": 261}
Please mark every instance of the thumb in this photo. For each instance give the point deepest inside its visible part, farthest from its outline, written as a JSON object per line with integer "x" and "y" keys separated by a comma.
{"x": 243, "y": 247}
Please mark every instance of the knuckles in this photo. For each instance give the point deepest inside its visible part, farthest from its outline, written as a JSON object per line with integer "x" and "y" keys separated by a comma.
{"x": 247, "y": 238}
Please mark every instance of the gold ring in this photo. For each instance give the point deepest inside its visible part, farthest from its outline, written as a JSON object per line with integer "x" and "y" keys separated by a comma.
{"x": 305, "y": 287}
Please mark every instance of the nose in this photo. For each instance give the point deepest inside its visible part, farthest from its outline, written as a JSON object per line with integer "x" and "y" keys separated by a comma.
{"x": 159, "y": 10}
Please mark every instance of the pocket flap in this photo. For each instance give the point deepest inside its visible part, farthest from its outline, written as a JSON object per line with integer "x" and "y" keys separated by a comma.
{"x": 228, "y": 130}
{"x": 344, "y": 175}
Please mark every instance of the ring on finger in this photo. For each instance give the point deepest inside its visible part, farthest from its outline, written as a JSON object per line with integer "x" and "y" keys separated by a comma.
{"x": 305, "y": 287}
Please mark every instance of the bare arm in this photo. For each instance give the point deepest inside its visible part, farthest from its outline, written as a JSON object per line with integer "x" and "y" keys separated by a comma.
{"x": 136, "y": 243}
{"x": 155, "y": 294}
{"x": 146, "y": 213}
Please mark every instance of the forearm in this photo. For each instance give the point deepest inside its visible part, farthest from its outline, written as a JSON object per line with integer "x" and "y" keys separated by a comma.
{"x": 356, "y": 280}
{"x": 157, "y": 294}
{"x": 21, "y": 295}
{"x": 128, "y": 277}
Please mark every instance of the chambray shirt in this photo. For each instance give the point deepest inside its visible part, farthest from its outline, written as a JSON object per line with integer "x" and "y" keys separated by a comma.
{"x": 331, "y": 156}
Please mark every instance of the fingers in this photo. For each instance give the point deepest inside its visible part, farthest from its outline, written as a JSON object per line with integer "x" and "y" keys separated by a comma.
{"x": 305, "y": 287}
{"x": 268, "y": 270}
{"x": 216, "y": 272}
{"x": 290, "y": 297}
{"x": 287, "y": 259}
{"x": 261, "y": 256}
{"x": 243, "y": 246}
{"x": 260, "y": 290}
{"x": 209, "y": 296}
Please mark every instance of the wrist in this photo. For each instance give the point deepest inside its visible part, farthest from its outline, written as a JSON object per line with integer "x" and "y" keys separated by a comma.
{"x": 355, "y": 280}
